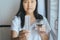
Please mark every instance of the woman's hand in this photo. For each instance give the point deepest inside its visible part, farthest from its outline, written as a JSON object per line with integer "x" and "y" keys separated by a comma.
{"x": 44, "y": 36}
{"x": 24, "y": 34}
{"x": 42, "y": 33}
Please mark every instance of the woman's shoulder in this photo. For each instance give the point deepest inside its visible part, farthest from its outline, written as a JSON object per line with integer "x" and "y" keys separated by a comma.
{"x": 16, "y": 19}
{"x": 44, "y": 19}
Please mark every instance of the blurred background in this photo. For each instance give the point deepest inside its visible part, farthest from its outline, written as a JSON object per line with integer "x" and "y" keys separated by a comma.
{"x": 48, "y": 8}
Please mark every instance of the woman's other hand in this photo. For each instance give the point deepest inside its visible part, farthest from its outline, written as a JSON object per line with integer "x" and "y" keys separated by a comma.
{"x": 42, "y": 33}
{"x": 24, "y": 35}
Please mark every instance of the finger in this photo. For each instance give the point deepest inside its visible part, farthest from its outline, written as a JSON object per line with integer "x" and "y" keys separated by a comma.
{"x": 27, "y": 34}
{"x": 43, "y": 29}
{"x": 24, "y": 32}
{"x": 21, "y": 35}
{"x": 22, "y": 38}
{"x": 27, "y": 31}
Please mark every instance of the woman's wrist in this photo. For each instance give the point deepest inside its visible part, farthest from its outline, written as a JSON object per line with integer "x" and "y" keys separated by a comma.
{"x": 44, "y": 36}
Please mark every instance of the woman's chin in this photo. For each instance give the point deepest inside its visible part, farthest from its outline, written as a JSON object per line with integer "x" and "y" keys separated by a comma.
{"x": 29, "y": 12}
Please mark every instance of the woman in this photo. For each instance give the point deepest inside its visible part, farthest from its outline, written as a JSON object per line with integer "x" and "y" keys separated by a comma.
{"x": 28, "y": 8}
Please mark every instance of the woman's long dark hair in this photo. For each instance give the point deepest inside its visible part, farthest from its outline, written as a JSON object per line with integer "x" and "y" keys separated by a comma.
{"x": 21, "y": 13}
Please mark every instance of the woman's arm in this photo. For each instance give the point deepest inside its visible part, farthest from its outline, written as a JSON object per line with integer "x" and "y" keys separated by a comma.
{"x": 15, "y": 28}
{"x": 45, "y": 31}
{"x": 14, "y": 35}
{"x": 45, "y": 36}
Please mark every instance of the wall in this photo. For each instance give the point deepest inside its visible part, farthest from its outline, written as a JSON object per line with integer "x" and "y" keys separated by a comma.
{"x": 8, "y": 9}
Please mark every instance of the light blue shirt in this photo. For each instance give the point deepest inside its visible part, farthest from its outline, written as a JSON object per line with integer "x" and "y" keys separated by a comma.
{"x": 16, "y": 26}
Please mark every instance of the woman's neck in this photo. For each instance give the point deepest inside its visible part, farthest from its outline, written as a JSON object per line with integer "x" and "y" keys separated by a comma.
{"x": 30, "y": 14}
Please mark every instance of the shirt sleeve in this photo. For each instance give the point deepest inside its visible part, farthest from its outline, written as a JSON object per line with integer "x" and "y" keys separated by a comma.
{"x": 16, "y": 24}
{"x": 48, "y": 28}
